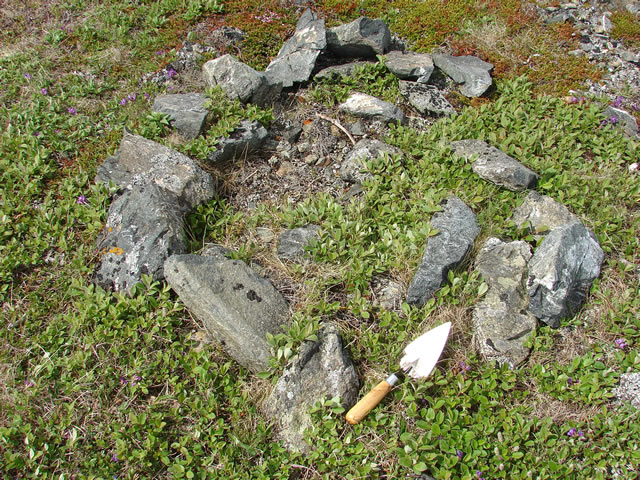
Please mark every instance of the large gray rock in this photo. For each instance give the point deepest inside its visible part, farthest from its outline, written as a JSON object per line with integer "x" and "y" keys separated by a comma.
{"x": 237, "y": 307}
{"x": 238, "y": 80}
{"x": 363, "y": 37}
{"x": 469, "y": 71}
{"x": 144, "y": 227}
{"x": 187, "y": 112}
{"x": 293, "y": 242}
{"x": 346, "y": 69}
{"x": 502, "y": 324}
{"x": 140, "y": 161}
{"x": 495, "y": 166}
{"x": 372, "y": 108}
{"x": 444, "y": 251}
{"x": 365, "y": 149}
{"x": 321, "y": 369}
{"x": 561, "y": 272}
{"x": 410, "y": 65}
{"x": 426, "y": 99}
{"x": 246, "y": 138}
{"x": 542, "y": 213}
{"x": 623, "y": 119}
{"x": 297, "y": 57}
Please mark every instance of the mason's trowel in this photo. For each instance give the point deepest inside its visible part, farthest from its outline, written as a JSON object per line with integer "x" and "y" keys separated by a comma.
{"x": 420, "y": 358}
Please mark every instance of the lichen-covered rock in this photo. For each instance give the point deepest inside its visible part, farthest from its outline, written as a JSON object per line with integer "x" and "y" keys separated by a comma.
{"x": 501, "y": 322}
{"x": 471, "y": 72}
{"x": 426, "y": 99}
{"x": 458, "y": 230}
{"x": 236, "y": 305}
{"x": 629, "y": 389}
{"x": 495, "y": 166}
{"x": 372, "y": 108}
{"x": 346, "y": 69}
{"x": 410, "y": 65}
{"x": 186, "y": 110}
{"x": 321, "y": 369}
{"x": 365, "y": 149}
{"x": 561, "y": 272}
{"x": 245, "y": 139}
{"x": 293, "y": 242}
{"x": 364, "y": 37}
{"x": 542, "y": 213}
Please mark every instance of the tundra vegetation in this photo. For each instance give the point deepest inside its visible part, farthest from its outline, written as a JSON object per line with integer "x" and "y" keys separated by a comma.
{"x": 95, "y": 384}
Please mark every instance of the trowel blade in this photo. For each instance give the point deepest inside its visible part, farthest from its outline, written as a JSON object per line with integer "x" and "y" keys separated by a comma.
{"x": 423, "y": 353}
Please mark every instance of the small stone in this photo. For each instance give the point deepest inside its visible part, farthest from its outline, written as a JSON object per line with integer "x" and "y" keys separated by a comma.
{"x": 410, "y": 65}
{"x": 366, "y": 106}
{"x": 311, "y": 159}
{"x": 293, "y": 242}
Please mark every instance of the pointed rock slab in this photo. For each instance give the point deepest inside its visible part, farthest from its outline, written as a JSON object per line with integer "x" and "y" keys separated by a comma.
{"x": 363, "y": 37}
{"x": 542, "y": 213}
{"x": 144, "y": 227}
{"x": 239, "y": 81}
{"x": 444, "y": 251}
{"x": 365, "y": 149}
{"x": 410, "y": 65}
{"x": 372, "y": 108}
{"x": 293, "y": 242}
{"x": 495, "y": 166}
{"x": 501, "y": 322}
{"x": 426, "y": 99}
{"x": 236, "y": 305}
{"x": 140, "y": 161}
{"x": 561, "y": 272}
{"x": 297, "y": 57}
{"x": 471, "y": 72}
{"x": 187, "y": 112}
{"x": 322, "y": 369}
{"x": 246, "y": 138}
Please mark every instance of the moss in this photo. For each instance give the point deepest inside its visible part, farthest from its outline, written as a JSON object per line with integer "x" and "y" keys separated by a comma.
{"x": 626, "y": 28}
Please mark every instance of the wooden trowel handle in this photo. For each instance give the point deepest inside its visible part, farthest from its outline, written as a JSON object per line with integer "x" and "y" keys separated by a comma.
{"x": 370, "y": 400}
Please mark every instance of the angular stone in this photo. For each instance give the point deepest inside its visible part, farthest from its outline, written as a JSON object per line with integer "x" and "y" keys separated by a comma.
{"x": 246, "y": 138}
{"x": 542, "y": 213}
{"x": 236, "y": 305}
{"x": 293, "y": 242}
{"x": 186, "y": 110}
{"x": 426, "y": 99}
{"x": 335, "y": 71}
{"x": 387, "y": 294}
{"x": 140, "y": 161}
{"x": 363, "y": 37}
{"x": 365, "y": 149}
{"x": 561, "y": 272}
{"x": 410, "y": 65}
{"x": 444, "y": 251}
{"x": 136, "y": 241}
{"x": 366, "y": 106}
{"x": 321, "y": 369}
{"x": 238, "y": 80}
{"x": 624, "y": 119}
{"x": 502, "y": 324}
{"x": 495, "y": 166}
{"x": 469, "y": 71}
{"x": 629, "y": 389}
{"x": 298, "y": 55}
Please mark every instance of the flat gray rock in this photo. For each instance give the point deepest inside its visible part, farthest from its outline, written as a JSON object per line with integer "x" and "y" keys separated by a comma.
{"x": 372, "y": 108}
{"x": 144, "y": 227}
{"x": 293, "y": 242}
{"x": 426, "y": 99}
{"x": 346, "y": 69}
{"x": 246, "y": 138}
{"x": 561, "y": 272}
{"x": 444, "y": 251}
{"x": 495, "y": 166}
{"x": 471, "y": 72}
{"x": 410, "y": 65}
{"x": 297, "y": 57}
{"x": 236, "y": 305}
{"x": 542, "y": 213}
{"x": 365, "y": 149}
{"x": 501, "y": 322}
{"x": 363, "y": 37}
{"x": 238, "y": 80}
{"x": 186, "y": 110}
{"x": 321, "y": 369}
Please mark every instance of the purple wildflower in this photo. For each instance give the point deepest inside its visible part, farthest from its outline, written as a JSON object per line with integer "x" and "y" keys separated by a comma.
{"x": 572, "y": 381}
{"x": 123, "y": 102}
{"x": 479, "y": 475}
{"x": 132, "y": 98}
{"x": 114, "y": 458}
{"x": 617, "y": 103}
{"x": 29, "y": 383}
{"x": 36, "y": 134}
{"x": 147, "y": 96}
{"x": 460, "y": 454}
{"x": 572, "y": 432}
{"x": 613, "y": 120}
{"x": 123, "y": 380}
{"x": 82, "y": 200}
{"x": 44, "y": 91}
{"x": 135, "y": 379}
{"x": 635, "y": 107}
{"x": 66, "y": 434}
{"x": 621, "y": 343}
{"x": 463, "y": 367}
{"x": 580, "y": 434}
{"x": 72, "y": 110}
{"x": 160, "y": 52}
{"x": 171, "y": 72}
{"x": 27, "y": 76}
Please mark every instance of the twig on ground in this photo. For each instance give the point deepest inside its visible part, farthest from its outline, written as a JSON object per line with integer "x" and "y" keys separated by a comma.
{"x": 337, "y": 124}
